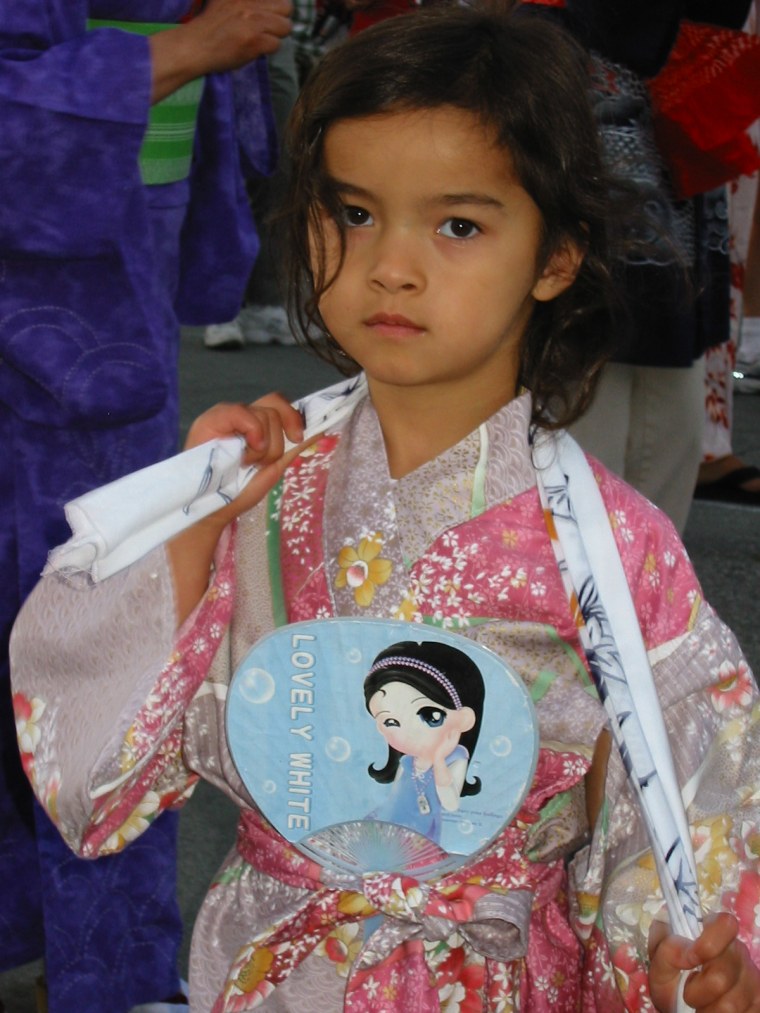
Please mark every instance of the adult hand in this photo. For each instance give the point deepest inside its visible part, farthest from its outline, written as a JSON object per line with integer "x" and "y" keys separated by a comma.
{"x": 724, "y": 978}
{"x": 225, "y": 35}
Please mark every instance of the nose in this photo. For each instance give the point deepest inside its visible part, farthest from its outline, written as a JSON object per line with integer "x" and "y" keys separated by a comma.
{"x": 396, "y": 261}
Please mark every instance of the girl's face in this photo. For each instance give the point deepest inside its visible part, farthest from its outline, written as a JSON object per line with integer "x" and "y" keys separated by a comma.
{"x": 414, "y": 724}
{"x": 440, "y": 275}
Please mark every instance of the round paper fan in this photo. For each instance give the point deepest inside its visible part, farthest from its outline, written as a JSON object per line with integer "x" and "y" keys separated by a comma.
{"x": 367, "y": 846}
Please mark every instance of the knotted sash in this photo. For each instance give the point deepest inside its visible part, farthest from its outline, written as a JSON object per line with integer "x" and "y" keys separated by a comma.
{"x": 487, "y": 906}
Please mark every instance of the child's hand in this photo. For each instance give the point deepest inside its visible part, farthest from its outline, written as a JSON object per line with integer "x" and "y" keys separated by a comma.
{"x": 446, "y": 745}
{"x": 264, "y": 424}
{"x": 261, "y": 423}
{"x": 724, "y": 978}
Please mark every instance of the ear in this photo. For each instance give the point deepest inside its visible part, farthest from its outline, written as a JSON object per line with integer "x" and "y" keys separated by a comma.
{"x": 560, "y": 271}
{"x": 465, "y": 719}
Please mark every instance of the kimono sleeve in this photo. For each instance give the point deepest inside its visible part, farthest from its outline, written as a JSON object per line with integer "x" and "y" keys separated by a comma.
{"x": 73, "y": 117}
{"x": 101, "y": 680}
{"x": 711, "y": 708}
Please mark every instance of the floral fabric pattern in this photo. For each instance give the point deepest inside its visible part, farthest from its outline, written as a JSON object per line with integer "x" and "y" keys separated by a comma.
{"x": 362, "y": 568}
{"x": 273, "y": 934}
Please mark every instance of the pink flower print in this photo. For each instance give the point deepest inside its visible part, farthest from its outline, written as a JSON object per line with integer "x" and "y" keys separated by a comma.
{"x": 342, "y": 947}
{"x": 733, "y": 688}
{"x": 461, "y": 983}
{"x": 28, "y": 713}
{"x": 632, "y": 979}
{"x": 745, "y": 906}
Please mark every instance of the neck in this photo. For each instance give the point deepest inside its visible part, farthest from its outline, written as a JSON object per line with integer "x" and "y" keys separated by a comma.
{"x": 418, "y": 424}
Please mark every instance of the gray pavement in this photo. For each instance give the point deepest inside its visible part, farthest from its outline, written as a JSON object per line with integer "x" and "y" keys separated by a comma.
{"x": 722, "y": 540}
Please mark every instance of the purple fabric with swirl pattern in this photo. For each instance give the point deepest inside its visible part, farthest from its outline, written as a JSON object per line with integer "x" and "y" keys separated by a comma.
{"x": 96, "y": 272}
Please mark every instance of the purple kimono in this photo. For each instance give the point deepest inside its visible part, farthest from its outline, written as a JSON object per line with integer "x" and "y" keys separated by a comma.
{"x": 96, "y": 271}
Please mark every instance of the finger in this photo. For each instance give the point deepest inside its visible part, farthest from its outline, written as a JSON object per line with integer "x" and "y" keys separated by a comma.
{"x": 668, "y": 949}
{"x": 720, "y": 930}
{"x": 667, "y": 963}
{"x": 223, "y": 419}
{"x": 229, "y": 419}
{"x": 265, "y": 477}
{"x": 264, "y": 436}
{"x": 289, "y": 417}
{"x": 268, "y": 29}
{"x": 282, "y": 8}
{"x": 730, "y": 981}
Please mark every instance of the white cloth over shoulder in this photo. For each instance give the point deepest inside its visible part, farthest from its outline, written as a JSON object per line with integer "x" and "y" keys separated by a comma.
{"x": 592, "y": 569}
{"x": 119, "y": 523}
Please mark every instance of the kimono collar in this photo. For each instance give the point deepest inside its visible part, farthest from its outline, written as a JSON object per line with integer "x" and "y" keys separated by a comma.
{"x": 375, "y": 527}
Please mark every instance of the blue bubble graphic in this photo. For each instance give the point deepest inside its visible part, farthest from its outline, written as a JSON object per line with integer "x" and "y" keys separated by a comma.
{"x": 501, "y": 745}
{"x": 338, "y": 749}
{"x": 257, "y": 686}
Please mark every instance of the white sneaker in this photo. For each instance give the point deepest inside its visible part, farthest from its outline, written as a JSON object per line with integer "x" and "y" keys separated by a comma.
{"x": 264, "y": 325}
{"x": 747, "y": 377}
{"x": 224, "y": 336}
{"x": 747, "y": 369}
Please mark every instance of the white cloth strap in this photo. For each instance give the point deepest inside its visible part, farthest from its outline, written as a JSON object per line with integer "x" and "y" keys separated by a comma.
{"x": 591, "y": 566}
{"x": 119, "y": 523}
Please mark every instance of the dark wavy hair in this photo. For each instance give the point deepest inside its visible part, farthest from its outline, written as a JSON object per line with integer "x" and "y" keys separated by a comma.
{"x": 457, "y": 667}
{"x": 527, "y": 82}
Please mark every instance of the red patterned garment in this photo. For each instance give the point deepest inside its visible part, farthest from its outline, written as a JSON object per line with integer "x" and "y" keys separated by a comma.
{"x": 554, "y": 914}
{"x": 704, "y": 100}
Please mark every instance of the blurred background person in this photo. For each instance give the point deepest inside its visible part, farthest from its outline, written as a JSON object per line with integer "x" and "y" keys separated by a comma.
{"x": 736, "y": 365}
{"x": 108, "y": 238}
{"x": 647, "y": 419}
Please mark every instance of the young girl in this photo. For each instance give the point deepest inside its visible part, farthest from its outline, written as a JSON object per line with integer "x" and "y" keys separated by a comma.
{"x": 427, "y": 702}
{"x": 449, "y": 227}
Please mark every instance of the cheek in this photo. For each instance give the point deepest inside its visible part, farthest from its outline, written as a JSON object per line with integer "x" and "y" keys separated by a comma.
{"x": 400, "y": 739}
{"x": 420, "y": 740}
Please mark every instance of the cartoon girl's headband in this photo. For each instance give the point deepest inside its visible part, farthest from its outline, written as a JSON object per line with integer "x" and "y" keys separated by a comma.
{"x": 399, "y": 661}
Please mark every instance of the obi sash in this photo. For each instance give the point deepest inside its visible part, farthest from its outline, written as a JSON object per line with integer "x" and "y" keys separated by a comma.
{"x": 167, "y": 149}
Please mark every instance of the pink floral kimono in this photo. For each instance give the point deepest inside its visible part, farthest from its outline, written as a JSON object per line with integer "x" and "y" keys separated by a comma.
{"x": 119, "y": 716}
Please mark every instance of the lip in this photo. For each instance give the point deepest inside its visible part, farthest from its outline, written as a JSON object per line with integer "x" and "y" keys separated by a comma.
{"x": 393, "y": 323}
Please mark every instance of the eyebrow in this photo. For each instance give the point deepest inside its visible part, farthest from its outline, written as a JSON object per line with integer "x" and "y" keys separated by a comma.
{"x": 448, "y": 199}
{"x": 479, "y": 199}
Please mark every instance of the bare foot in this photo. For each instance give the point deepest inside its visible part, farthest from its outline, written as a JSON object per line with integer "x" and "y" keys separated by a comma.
{"x": 713, "y": 471}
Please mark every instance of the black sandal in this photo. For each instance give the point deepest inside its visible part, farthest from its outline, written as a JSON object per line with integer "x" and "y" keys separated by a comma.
{"x": 728, "y": 488}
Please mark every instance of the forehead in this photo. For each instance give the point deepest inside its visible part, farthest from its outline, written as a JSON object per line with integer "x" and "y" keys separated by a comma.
{"x": 443, "y": 147}
{"x": 395, "y": 694}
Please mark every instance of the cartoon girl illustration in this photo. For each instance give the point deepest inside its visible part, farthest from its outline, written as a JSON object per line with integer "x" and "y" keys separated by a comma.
{"x": 427, "y": 702}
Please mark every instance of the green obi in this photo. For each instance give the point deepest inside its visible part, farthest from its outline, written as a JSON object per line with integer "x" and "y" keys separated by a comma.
{"x": 167, "y": 147}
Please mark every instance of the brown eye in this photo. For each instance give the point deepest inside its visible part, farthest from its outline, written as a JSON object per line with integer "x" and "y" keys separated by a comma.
{"x": 458, "y": 228}
{"x": 355, "y": 217}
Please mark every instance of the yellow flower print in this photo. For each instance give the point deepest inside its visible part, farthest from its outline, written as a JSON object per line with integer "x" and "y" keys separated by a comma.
{"x": 713, "y": 853}
{"x": 351, "y": 903}
{"x": 407, "y": 610}
{"x": 362, "y": 570}
{"x": 135, "y": 824}
{"x": 255, "y": 971}
{"x": 588, "y": 910}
